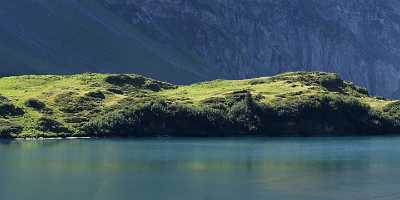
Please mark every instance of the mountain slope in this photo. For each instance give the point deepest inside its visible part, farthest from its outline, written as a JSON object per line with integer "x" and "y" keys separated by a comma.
{"x": 360, "y": 40}
{"x": 105, "y": 105}
{"x": 182, "y": 41}
{"x": 48, "y": 36}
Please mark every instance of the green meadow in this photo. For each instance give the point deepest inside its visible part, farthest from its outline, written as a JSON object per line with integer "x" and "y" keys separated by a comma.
{"x": 130, "y": 105}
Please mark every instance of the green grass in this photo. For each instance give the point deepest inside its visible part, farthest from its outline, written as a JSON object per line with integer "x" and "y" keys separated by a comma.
{"x": 271, "y": 88}
{"x": 71, "y": 91}
{"x": 220, "y": 88}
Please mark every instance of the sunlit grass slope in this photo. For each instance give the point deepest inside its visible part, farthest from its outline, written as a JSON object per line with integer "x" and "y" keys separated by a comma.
{"x": 277, "y": 88}
{"x": 58, "y": 106}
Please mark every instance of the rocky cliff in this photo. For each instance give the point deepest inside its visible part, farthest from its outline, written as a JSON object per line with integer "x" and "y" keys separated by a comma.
{"x": 359, "y": 39}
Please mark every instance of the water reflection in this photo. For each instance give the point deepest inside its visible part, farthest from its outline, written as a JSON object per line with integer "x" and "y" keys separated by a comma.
{"x": 327, "y": 168}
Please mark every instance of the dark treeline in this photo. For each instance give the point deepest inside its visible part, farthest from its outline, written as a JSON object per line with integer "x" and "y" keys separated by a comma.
{"x": 242, "y": 115}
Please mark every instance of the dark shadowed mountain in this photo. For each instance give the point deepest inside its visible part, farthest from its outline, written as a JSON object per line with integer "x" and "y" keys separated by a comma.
{"x": 191, "y": 40}
{"x": 66, "y": 36}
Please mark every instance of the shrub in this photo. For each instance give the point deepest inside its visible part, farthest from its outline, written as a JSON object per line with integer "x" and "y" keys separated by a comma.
{"x": 96, "y": 94}
{"x": 331, "y": 82}
{"x": 9, "y": 109}
{"x": 153, "y": 86}
{"x": 364, "y": 91}
{"x": 237, "y": 96}
{"x": 35, "y": 103}
{"x": 137, "y": 81}
{"x": 239, "y": 113}
{"x": 392, "y": 108}
{"x": 123, "y": 79}
{"x": 159, "y": 118}
{"x": 47, "y": 124}
{"x": 115, "y": 90}
{"x": 75, "y": 119}
{"x": 259, "y": 81}
{"x": 244, "y": 114}
{"x": 8, "y": 129}
{"x": 326, "y": 114}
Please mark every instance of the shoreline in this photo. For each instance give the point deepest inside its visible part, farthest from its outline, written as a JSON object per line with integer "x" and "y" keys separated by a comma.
{"x": 51, "y": 138}
{"x": 227, "y": 137}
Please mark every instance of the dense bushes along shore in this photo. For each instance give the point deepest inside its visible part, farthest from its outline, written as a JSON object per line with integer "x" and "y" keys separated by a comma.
{"x": 242, "y": 115}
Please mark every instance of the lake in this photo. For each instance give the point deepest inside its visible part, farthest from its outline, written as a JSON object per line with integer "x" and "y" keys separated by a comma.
{"x": 201, "y": 169}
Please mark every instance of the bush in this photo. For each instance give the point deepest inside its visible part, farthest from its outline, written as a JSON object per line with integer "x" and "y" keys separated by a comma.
{"x": 115, "y": 90}
{"x": 259, "y": 81}
{"x": 123, "y": 79}
{"x": 96, "y": 94}
{"x": 332, "y": 82}
{"x": 153, "y": 86}
{"x": 35, "y": 103}
{"x": 9, "y": 109}
{"x": 159, "y": 118}
{"x": 239, "y": 113}
{"x": 47, "y": 124}
{"x": 137, "y": 81}
{"x": 75, "y": 119}
{"x": 325, "y": 115}
{"x": 244, "y": 113}
{"x": 392, "y": 108}
{"x": 8, "y": 129}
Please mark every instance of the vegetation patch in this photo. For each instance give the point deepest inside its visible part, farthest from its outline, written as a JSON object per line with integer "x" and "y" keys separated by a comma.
{"x": 259, "y": 81}
{"x": 137, "y": 81}
{"x": 392, "y": 108}
{"x": 241, "y": 114}
{"x": 158, "y": 118}
{"x": 48, "y": 124}
{"x": 8, "y": 129}
{"x": 115, "y": 90}
{"x": 330, "y": 81}
{"x": 123, "y": 79}
{"x": 71, "y": 102}
{"x": 96, "y": 94}
{"x": 290, "y": 104}
{"x": 35, "y": 104}
{"x": 9, "y": 109}
{"x": 75, "y": 119}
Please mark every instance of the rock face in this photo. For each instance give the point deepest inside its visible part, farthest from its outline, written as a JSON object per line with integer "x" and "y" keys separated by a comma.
{"x": 70, "y": 36}
{"x": 359, "y": 39}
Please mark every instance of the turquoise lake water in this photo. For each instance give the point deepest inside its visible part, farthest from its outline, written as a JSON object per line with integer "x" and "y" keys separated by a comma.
{"x": 201, "y": 169}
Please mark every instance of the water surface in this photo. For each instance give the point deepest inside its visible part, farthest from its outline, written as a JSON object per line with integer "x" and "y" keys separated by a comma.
{"x": 201, "y": 169}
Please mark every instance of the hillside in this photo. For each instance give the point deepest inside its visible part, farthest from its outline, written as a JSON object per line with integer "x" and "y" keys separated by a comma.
{"x": 68, "y": 36}
{"x": 357, "y": 39}
{"x": 104, "y": 105}
{"x": 182, "y": 41}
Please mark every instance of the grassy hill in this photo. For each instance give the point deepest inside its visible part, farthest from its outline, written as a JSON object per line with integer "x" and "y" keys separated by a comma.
{"x": 289, "y": 104}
